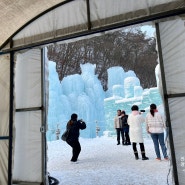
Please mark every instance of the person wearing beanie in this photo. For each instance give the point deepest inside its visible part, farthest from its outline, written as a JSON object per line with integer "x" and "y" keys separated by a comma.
{"x": 155, "y": 127}
{"x": 135, "y": 119}
{"x": 74, "y": 125}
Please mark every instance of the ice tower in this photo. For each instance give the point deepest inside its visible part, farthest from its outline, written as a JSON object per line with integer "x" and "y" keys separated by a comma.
{"x": 82, "y": 94}
{"x": 125, "y": 90}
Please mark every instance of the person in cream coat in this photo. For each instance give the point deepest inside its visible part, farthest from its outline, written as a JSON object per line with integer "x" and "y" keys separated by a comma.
{"x": 135, "y": 120}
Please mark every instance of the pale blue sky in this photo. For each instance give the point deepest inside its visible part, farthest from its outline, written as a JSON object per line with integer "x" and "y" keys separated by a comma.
{"x": 149, "y": 30}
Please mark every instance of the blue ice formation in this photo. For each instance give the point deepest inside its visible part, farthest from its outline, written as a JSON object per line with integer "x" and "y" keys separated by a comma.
{"x": 83, "y": 94}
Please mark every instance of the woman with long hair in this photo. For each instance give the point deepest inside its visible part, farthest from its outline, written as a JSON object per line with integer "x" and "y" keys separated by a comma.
{"x": 74, "y": 127}
{"x": 155, "y": 127}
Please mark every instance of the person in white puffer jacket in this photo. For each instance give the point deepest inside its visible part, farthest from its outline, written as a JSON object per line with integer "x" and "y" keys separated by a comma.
{"x": 135, "y": 119}
{"x": 155, "y": 127}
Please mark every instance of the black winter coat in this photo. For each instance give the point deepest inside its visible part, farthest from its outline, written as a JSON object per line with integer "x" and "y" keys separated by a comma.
{"x": 74, "y": 131}
{"x": 124, "y": 121}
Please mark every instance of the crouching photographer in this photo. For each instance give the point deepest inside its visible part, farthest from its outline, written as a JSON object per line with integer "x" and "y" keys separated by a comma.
{"x": 74, "y": 126}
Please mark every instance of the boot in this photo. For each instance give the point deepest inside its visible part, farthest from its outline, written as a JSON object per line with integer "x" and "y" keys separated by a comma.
{"x": 136, "y": 155}
{"x": 118, "y": 143}
{"x": 124, "y": 143}
{"x": 144, "y": 156}
{"x": 128, "y": 143}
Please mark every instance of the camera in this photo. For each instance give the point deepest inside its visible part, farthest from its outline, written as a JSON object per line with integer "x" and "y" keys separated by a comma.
{"x": 81, "y": 120}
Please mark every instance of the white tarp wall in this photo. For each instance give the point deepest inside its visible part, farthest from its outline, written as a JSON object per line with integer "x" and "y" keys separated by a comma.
{"x": 28, "y": 138}
{"x": 172, "y": 35}
{"x": 4, "y": 116}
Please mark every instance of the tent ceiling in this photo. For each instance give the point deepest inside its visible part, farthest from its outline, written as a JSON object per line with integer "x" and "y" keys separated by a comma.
{"x": 14, "y": 14}
{"x": 74, "y": 18}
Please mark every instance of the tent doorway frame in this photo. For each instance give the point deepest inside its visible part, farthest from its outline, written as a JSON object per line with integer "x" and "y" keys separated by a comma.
{"x": 43, "y": 127}
{"x": 13, "y": 50}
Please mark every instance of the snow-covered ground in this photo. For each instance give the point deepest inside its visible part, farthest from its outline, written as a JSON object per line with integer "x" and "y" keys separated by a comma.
{"x": 102, "y": 162}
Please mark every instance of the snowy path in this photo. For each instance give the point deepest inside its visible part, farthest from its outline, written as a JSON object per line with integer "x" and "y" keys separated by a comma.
{"x": 102, "y": 162}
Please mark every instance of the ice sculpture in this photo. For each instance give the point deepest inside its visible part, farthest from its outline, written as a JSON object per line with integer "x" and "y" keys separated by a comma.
{"x": 83, "y": 94}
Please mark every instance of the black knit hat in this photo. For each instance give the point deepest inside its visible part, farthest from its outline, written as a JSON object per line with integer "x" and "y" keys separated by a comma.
{"x": 153, "y": 106}
{"x": 74, "y": 116}
{"x": 134, "y": 107}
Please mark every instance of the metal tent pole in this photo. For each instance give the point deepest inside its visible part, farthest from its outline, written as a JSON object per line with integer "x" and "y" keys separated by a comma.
{"x": 11, "y": 113}
{"x": 44, "y": 119}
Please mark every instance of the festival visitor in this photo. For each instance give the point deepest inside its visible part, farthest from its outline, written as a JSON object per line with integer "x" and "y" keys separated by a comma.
{"x": 117, "y": 126}
{"x": 155, "y": 127}
{"x": 74, "y": 127}
{"x": 135, "y": 119}
{"x": 125, "y": 128}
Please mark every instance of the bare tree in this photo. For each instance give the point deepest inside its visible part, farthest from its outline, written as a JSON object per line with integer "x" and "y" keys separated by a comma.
{"x": 130, "y": 49}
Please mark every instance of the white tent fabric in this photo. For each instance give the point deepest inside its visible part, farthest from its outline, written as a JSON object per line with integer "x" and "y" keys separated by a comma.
{"x": 173, "y": 44}
{"x": 28, "y": 141}
{"x": 28, "y": 79}
{"x": 4, "y": 115}
{"x": 28, "y": 147}
{"x": 15, "y": 14}
{"x": 73, "y": 19}
{"x": 173, "y": 49}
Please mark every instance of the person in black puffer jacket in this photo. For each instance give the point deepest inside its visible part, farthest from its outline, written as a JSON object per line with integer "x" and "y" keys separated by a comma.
{"x": 125, "y": 128}
{"x": 74, "y": 127}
